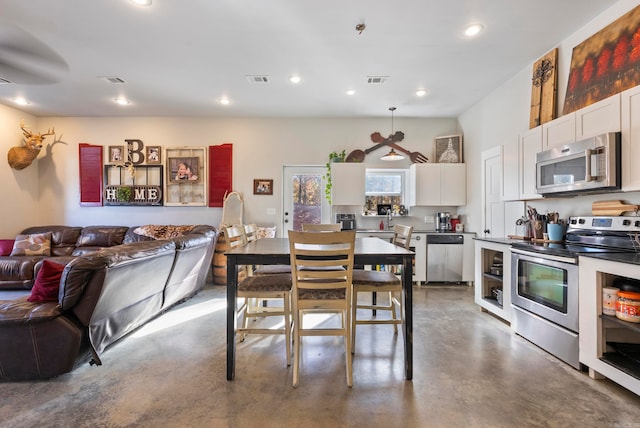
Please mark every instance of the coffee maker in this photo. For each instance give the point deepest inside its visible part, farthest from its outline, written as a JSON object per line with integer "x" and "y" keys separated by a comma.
{"x": 347, "y": 221}
{"x": 443, "y": 221}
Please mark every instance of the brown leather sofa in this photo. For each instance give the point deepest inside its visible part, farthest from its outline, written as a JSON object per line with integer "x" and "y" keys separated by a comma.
{"x": 114, "y": 281}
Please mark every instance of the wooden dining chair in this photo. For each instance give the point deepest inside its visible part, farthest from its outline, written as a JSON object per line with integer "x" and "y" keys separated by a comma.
{"x": 380, "y": 282}
{"x": 254, "y": 289}
{"x": 321, "y": 227}
{"x": 319, "y": 289}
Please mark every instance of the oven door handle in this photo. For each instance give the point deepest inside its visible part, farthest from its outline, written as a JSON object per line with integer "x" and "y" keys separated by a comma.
{"x": 543, "y": 257}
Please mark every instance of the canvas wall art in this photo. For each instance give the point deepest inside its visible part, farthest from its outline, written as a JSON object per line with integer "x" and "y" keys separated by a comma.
{"x": 605, "y": 64}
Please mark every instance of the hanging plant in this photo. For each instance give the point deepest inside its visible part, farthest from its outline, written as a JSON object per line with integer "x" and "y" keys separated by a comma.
{"x": 333, "y": 157}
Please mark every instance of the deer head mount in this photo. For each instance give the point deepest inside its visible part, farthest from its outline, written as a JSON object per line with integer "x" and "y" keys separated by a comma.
{"x": 21, "y": 157}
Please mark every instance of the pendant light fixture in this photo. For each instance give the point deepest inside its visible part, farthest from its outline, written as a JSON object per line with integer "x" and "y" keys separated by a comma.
{"x": 392, "y": 155}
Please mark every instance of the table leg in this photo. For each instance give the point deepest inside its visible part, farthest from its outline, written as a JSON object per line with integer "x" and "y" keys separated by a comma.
{"x": 407, "y": 327}
{"x": 232, "y": 283}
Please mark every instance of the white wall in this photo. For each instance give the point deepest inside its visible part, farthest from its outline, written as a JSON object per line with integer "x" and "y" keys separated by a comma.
{"x": 502, "y": 115}
{"x": 19, "y": 189}
{"x": 260, "y": 148}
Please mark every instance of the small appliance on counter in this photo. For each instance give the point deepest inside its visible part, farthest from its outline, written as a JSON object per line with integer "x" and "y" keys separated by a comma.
{"x": 443, "y": 221}
{"x": 347, "y": 221}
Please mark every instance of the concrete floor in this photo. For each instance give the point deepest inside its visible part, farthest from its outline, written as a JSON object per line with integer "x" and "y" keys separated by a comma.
{"x": 469, "y": 370}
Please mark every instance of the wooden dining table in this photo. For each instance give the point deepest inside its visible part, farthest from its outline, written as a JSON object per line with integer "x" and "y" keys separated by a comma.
{"x": 368, "y": 251}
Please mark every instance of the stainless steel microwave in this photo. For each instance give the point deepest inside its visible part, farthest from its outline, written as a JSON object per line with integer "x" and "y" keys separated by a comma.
{"x": 587, "y": 166}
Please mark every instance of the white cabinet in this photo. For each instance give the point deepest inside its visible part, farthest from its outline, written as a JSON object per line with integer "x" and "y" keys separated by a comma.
{"x": 530, "y": 144}
{"x": 439, "y": 184}
{"x": 597, "y": 329}
{"x": 598, "y": 118}
{"x": 468, "y": 258}
{"x": 630, "y": 122}
{"x": 347, "y": 183}
{"x": 487, "y": 283}
{"x": 559, "y": 131}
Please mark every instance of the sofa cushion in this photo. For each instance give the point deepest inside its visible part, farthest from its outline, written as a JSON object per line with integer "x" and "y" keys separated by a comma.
{"x": 47, "y": 284}
{"x": 37, "y": 244}
{"x": 101, "y": 236}
{"x": 63, "y": 238}
{"x": 163, "y": 231}
{"x": 6, "y": 245}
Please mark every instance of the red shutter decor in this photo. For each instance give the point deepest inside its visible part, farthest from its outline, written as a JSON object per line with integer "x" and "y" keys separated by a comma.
{"x": 220, "y": 173}
{"x": 90, "y": 169}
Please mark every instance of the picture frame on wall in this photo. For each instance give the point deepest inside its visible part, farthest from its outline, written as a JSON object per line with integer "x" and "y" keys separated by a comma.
{"x": 153, "y": 155}
{"x": 184, "y": 169}
{"x": 116, "y": 154}
{"x": 262, "y": 186}
{"x": 448, "y": 149}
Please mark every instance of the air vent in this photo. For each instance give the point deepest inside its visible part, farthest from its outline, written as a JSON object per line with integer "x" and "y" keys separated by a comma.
{"x": 258, "y": 79}
{"x": 377, "y": 80}
{"x": 113, "y": 79}
{"x": 4, "y": 81}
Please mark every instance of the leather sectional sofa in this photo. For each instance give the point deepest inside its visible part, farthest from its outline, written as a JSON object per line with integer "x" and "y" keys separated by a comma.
{"x": 113, "y": 282}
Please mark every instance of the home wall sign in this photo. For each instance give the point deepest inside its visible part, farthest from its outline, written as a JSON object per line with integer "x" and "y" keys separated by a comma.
{"x": 605, "y": 64}
{"x": 143, "y": 188}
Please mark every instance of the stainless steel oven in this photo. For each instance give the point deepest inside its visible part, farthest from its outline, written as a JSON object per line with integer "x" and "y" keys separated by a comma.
{"x": 545, "y": 283}
{"x": 544, "y": 299}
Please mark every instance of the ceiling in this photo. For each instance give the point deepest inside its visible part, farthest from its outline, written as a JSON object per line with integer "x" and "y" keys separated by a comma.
{"x": 178, "y": 58}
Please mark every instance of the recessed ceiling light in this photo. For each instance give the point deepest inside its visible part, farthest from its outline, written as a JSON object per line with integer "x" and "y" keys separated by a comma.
{"x": 122, "y": 101}
{"x": 21, "y": 101}
{"x": 421, "y": 92}
{"x": 473, "y": 30}
{"x": 295, "y": 79}
{"x": 350, "y": 92}
{"x": 142, "y": 2}
{"x": 224, "y": 101}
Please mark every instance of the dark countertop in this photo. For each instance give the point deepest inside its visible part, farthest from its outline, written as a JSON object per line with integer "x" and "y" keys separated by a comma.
{"x": 628, "y": 258}
{"x": 507, "y": 241}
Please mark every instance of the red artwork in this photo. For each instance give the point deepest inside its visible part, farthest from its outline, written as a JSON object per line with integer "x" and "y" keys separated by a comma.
{"x": 605, "y": 64}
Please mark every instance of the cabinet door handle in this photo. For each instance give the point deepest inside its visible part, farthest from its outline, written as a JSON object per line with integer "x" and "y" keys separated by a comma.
{"x": 487, "y": 231}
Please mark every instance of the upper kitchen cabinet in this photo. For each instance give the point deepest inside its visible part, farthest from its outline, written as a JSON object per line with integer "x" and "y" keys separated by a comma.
{"x": 598, "y": 118}
{"x": 559, "y": 131}
{"x": 438, "y": 184}
{"x": 529, "y": 145}
{"x": 347, "y": 183}
{"x": 630, "y": 122}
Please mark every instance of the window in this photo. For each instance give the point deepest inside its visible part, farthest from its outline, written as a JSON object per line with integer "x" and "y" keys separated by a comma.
{"x": 384, "y": 186}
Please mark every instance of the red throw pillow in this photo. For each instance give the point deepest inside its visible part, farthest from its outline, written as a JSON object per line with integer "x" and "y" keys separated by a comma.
{"x": 6, "y": 245}
{"x": 47, "y": 284}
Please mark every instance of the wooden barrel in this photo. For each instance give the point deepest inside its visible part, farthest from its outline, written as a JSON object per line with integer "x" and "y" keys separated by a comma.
{"x": 220, "y": 263}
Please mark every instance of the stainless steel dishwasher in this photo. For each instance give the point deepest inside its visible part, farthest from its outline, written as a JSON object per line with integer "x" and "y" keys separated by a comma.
{"x": 444, "y": 257}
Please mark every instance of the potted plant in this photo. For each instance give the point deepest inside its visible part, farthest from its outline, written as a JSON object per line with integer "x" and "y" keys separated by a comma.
{"x": 333, "y": 157}
{"x": 124, "y": 194}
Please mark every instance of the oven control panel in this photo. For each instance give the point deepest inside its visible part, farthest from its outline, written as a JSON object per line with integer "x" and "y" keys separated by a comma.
{"x": 616, "y": 224}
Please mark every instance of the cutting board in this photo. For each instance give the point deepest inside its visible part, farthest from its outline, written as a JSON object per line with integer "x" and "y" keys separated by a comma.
{"x": 613, "y": 207}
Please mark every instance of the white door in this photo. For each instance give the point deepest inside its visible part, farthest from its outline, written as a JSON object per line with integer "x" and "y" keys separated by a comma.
{"x": 493, "y": 205}
{"x": 303, "y": 198}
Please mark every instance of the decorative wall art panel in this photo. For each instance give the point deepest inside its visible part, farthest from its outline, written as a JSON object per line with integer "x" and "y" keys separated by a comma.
{"x": 605, "y": 64}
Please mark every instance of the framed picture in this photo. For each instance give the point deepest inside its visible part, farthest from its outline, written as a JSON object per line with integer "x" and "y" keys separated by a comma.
{"x": 116, "y": 154}
{"x": 262, "y": 186}
{"x": 184, "y": 169}
{"x": 449, "y": 149}
{"x": 153, "y": 155}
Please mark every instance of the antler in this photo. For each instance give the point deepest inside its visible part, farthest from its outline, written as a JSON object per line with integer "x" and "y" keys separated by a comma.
{"x": 25, "y": 131}
{"x": 50, "y": 131}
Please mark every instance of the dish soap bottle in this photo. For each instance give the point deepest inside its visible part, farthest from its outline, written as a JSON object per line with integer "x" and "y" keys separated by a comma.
{"x": 381, "y": 225}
